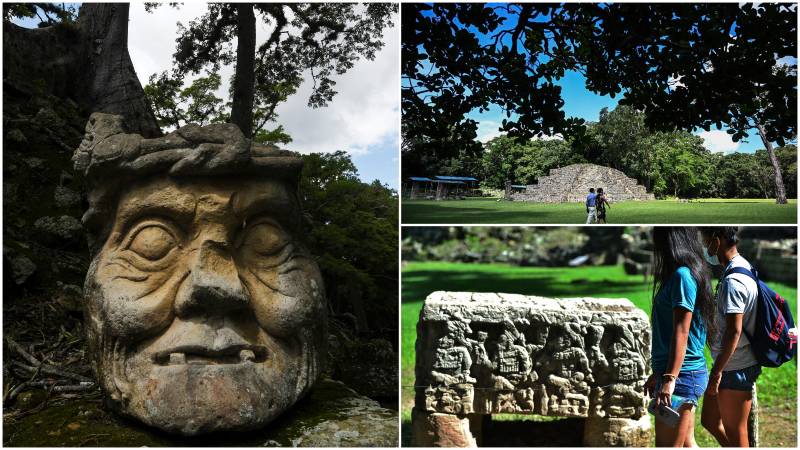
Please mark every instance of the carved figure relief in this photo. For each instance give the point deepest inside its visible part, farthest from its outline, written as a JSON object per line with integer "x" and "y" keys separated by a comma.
{"x": 204, "y": 311}
{"x": 548, "y": 361}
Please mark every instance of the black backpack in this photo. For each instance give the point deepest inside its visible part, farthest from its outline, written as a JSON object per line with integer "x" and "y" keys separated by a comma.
{"x": 770, "y": 341}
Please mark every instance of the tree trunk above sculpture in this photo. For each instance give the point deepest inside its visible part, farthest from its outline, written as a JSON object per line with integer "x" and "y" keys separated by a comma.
{"x": 87, "y": 62}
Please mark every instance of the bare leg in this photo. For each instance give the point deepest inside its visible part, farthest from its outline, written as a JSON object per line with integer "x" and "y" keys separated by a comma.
{"x": 667, "y": 436}
{"x": 734, "y": 407}
{"x": 711, "y": 419}
{"x": 689, "y": 441}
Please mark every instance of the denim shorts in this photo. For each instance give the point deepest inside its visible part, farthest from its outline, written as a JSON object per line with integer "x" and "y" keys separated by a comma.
{"x": 740, "y": 380}
{"x": 690, "y": 385}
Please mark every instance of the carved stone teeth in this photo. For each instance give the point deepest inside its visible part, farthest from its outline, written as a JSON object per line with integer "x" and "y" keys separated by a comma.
{"x": 177, "y": 358}
{"x": 247, "y": 356}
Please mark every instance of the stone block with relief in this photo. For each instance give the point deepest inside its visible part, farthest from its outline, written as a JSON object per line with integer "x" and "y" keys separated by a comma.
{"x": 485, "y": 353}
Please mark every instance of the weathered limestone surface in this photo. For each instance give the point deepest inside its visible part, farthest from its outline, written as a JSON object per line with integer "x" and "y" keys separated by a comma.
{"x": 483, "y": 353}
{"x": 204, "y": 312}
{"x": 615, "y": 432}
{"x": 571, "y": 184}
{"x": 441, "y": 430}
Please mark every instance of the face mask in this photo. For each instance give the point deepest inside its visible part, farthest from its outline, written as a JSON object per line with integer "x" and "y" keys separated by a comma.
{"x": 712, "y": 259}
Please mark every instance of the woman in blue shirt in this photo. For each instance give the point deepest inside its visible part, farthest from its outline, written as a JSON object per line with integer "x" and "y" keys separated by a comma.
{"x": 683, "y": 314}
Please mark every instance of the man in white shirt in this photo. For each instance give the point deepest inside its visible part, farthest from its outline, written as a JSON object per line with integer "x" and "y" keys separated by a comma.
{"x": 728, "y": 398}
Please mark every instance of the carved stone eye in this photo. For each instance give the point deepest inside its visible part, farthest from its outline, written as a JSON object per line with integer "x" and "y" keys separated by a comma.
{"x": 152, "y": 242}
{"x": 265, "y": 239}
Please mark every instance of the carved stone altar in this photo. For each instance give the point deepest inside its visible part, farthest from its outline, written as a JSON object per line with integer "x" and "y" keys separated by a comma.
{"x": 204, "y": 312}
{"x": 482, "y": 354}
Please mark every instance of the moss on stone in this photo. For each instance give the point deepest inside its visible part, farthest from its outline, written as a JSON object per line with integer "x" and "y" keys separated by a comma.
{"x": 331, "y": 415}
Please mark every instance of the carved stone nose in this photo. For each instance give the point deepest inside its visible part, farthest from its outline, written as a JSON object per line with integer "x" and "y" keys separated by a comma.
{"x": 213, "y": 287}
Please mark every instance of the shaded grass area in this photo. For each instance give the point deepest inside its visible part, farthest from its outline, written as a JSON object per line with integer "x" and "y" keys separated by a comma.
{"x": 777, "y": 388}
{"x": 490, "y": 210}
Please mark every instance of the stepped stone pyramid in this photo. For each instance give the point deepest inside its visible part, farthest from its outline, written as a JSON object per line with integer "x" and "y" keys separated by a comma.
{"x": 571, "y": 184}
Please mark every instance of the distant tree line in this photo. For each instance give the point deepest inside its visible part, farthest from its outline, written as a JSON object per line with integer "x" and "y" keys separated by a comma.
{"x": 667, "y": 163}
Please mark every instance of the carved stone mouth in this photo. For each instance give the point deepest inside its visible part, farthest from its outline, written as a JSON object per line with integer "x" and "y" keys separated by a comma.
{"x": 199, "y": 355}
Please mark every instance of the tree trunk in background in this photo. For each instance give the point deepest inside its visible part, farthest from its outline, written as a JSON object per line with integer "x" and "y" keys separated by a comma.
{"x": 244, "y": 79}
{"x": 780, "y": 191}
{"x": 87, "y": 62}
{"x": 112, "y": 85}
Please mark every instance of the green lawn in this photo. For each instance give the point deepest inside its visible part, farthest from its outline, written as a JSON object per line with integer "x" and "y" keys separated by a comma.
{"x": 777, "y": 388}
{"x": 490, "y": 210}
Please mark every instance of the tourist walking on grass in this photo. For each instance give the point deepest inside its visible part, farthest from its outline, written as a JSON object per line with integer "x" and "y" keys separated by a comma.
{"x": 683, "y": 312}
{"x": 591, "y": 212}
{"x": 727, "y": 401}
{"x": 601, "y": 203}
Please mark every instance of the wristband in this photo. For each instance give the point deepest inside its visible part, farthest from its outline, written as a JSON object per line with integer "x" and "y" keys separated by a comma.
{"x": 668, "y": 377}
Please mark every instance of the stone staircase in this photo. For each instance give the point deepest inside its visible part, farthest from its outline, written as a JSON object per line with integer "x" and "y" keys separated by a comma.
{"x": 571, "y": 184}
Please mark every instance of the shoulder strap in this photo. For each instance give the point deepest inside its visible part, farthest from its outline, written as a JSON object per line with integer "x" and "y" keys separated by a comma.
{"x": 749, "y": 273}
{"x": 743, "y": 271}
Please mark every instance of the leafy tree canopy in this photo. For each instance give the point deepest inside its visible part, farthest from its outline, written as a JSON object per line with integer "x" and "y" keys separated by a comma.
{"x": 47, "y": 13}
{"x": 175, "y": 106}
{"x": 352, "y": 227}
{"x": 320, "y": 39}
{"x": 685, "y": 65}
{"x": 671, "y": 163}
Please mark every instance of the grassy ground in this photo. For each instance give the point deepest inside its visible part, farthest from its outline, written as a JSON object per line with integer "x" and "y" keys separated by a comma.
{"x": 777, "y": 388}
{"x": 490, "y": 210}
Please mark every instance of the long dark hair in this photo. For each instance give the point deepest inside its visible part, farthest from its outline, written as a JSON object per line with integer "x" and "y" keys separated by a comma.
{"x": 674, "y": 247}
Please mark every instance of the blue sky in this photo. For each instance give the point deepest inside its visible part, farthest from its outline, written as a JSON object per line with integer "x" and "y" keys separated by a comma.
{"x": 362, "y": 119}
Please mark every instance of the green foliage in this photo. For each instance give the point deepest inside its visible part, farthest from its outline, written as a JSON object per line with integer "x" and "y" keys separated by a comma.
{"x": 671, "y": 163}
{"x": 352, "y": 227}
{"x": 506, "y": 159}
{"x": 175, "y": 106}
{"x": 47, "y": 13}
{"x": 693, "y": 65}
{"x": 321, "y": 39}
{"x": 272, "y": 137}
{"x": 324, "y": 40}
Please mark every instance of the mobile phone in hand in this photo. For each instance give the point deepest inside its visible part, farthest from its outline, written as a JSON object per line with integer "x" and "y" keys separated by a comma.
{"x": 664, "y": 414}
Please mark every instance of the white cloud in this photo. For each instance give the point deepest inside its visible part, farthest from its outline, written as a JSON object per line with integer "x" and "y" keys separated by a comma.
{"x": 547, "y": 137}
{"x": 718, "y": 141}
{"x": 362, "y": 115}
{"x": 488, "y": 130}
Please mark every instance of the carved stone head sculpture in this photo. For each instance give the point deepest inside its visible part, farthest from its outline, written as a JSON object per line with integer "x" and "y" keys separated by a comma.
{"x": 204, "y": 311}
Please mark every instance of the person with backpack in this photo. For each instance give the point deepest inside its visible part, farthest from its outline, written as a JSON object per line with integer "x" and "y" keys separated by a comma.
{"x": 682, "y": 318}
{"x": 728, "y": 397}
{"x": 591, "y": 202}
{"x": 602, "y": 204}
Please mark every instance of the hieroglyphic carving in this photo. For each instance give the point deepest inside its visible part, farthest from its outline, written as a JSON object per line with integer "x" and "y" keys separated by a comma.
{"x": 516, "y": 354}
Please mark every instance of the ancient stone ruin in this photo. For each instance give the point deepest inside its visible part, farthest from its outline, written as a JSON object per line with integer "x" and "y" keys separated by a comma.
{"x": 572, "y": 183}
{"x": 480, "y": 354}
{"x": 204, "y": 312}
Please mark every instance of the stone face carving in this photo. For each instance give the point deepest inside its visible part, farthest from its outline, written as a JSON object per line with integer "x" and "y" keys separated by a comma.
{"x": 571, "y": 184}
{"x": 507, "y": 353}
{"x": 204, "y": 312}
